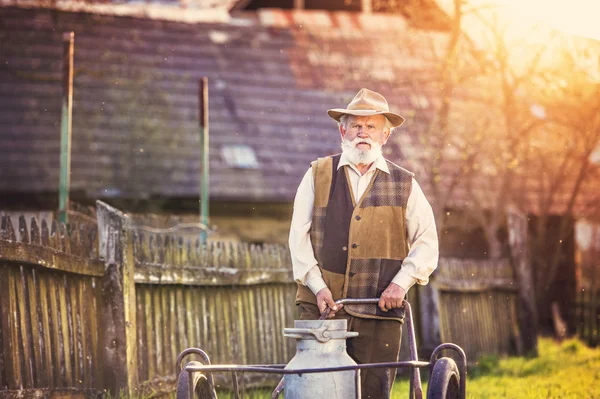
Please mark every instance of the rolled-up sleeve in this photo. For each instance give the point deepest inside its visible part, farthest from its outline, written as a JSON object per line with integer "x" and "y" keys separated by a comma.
{"x": 304, "y": 263}
{"x": 422, "y": 237}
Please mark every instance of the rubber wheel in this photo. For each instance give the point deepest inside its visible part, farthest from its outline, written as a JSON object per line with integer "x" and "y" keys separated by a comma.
{"x": 201, "y": 387}
{"x": 444, "y": 381}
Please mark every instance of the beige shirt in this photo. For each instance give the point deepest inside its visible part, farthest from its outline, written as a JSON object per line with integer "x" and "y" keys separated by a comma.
{"x": 422, "y": 237}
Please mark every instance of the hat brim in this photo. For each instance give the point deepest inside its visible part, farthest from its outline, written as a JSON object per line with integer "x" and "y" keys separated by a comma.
{"x": 336, "y": 113}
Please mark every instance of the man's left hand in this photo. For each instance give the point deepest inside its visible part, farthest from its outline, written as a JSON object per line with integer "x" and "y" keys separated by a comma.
{"x": 392, "y": 297}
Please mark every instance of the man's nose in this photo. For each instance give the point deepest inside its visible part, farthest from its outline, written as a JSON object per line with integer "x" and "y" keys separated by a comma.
{"x": 362, "y": 134}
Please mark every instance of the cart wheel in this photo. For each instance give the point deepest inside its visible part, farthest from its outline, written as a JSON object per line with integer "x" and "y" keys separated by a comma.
{"x": 444, "y": 382}
{"x": 202, "y": 389}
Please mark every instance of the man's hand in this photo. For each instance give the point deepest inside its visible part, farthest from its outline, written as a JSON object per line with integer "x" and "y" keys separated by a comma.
{"x": 325, "y": 299}
{"x": 392, "y": 297}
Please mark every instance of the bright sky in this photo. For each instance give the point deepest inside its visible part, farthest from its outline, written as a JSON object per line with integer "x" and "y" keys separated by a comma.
{"x": 579, "y": 17}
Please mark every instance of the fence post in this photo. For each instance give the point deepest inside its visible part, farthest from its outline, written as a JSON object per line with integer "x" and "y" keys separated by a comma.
{"x": 521, "y": 262}
{"x": 118, "y": 331}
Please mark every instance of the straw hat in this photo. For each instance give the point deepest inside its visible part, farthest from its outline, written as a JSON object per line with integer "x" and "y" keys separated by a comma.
{"x": 367, "y": 103}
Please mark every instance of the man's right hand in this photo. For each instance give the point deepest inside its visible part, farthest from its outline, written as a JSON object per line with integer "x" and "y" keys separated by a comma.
{"x": 325, "y": 299}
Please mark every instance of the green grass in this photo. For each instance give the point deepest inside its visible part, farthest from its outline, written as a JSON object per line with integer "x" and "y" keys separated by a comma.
{"x": 566, "y": 370}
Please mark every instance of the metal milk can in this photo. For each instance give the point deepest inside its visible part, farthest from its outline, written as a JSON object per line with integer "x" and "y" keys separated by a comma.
{"x": 321, "y": 343}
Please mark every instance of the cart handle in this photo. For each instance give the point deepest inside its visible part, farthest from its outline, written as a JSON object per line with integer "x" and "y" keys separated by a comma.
{"x": 353, "y": 301}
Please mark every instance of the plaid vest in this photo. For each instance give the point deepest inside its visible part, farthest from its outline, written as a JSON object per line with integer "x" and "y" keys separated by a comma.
{"x": 359, "y": 246}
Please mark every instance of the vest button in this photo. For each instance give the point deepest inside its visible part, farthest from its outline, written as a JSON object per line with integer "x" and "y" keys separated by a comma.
{"x": 344, "y": 248}
{"x": 354, "y": 245}
{"x": 357, "y": 217}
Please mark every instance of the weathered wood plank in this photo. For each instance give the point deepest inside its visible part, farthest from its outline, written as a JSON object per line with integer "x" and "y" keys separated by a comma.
{"x": 158, "y": 332}
{"x": 213, "y": 323}
{"x": 208, "y": 276}
{"x": 35, "y": 327}
{"x": 76, "y": 335}
{"x": 64, "y": 325}
{"x": 83, "y": 310}
{"x": 55, "y": 236}
{"x": 55, "y": 320}
{"x": 44, "y": 310}
{"x": 94, "y": 295}
{"x": 270, "y": 322}
{"x": 204, "y": 323}
{"x": 475, "y": 285}
{"x": 262, "y": 307}
{"x": 10, "y": 365}
{"x": 142, "y": 347}
{"x": 25, "y": 337}
{"x": 45, "y": 234}
{"x": 240, "y": 333}
{"x": 252, "y": 325}
{"x": 190, "y": 315}
{"x": 172, "y": 328}
{"x": 63, "y": 235}
{"x": 23, "y": 233}
{"x": 49, "y": 258}
{"x": 35, "y": 234}
{"x": 150, "y": 332}
{"x": 74, "y": 239}
{"x": 7, "y": 231}
{"x": 182, "y": 320}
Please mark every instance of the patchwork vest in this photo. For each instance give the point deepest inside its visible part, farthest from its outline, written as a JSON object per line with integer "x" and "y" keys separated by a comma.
{"x": 359, "y": 246}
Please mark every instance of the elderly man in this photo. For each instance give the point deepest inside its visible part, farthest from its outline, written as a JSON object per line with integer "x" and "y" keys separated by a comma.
{"x": 362, "y": 228}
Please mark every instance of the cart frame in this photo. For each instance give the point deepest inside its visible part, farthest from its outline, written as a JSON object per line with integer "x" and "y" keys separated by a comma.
{"x": 204, "y": 371}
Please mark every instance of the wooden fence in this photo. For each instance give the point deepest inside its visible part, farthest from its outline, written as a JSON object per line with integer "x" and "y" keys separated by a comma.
{"x": 90, "y": 308}
{"x": 231, "y": 300}
{"x": 50, "y": 281}
{"x": 478, "y": 306}
{"x": 86, "y": 308}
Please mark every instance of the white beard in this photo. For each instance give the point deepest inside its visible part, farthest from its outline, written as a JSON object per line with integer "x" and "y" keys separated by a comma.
{"x": 357, "y": 156}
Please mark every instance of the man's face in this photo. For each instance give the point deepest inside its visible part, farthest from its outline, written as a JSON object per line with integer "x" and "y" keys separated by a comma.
{"x": 365, "y": 127}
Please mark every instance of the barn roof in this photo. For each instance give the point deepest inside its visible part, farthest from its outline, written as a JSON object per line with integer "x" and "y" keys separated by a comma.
{"x": 272, "y": 76}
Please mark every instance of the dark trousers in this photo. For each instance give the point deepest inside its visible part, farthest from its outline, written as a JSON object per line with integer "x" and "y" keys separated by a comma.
{"x": 378, "y": 341}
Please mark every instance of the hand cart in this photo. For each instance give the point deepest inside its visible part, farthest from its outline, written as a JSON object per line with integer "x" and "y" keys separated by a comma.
{"x": 447, "y": 380}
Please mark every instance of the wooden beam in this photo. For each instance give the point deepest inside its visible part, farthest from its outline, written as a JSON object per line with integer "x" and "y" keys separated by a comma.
{"x": 118, "y": 301}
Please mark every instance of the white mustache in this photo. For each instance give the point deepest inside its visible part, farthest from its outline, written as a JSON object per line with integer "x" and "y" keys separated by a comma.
{"x": 358, "y": 140}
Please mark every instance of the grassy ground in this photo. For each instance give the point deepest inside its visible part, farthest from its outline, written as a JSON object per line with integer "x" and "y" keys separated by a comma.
{"x": 567, "y": 370}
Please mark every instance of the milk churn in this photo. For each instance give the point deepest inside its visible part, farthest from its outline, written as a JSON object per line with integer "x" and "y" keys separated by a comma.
{"x": 320, "y": 343}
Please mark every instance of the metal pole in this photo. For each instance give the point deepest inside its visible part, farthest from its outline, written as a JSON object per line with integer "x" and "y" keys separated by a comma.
{"x": 204, "y": 175}
{"x": 66, "y": 127}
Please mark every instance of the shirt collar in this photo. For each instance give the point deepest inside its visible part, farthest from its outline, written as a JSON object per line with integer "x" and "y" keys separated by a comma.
{"x": 379, "y": 163}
